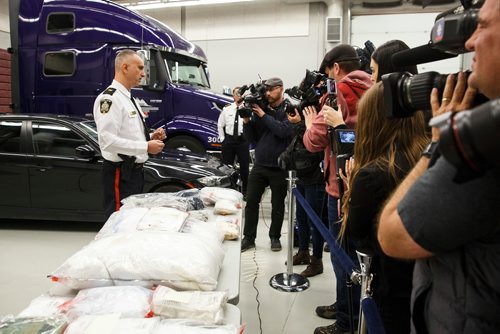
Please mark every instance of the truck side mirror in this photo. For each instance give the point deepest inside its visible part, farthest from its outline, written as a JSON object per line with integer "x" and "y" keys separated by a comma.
{"x": 145, "y": 56}
{"x": 227, "y": 91}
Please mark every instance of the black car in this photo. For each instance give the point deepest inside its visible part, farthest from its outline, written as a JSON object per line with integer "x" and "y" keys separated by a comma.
{"x": 50, "y": 168}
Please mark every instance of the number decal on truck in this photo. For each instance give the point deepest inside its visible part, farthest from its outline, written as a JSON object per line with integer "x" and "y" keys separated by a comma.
{"x": 214, "y": 140}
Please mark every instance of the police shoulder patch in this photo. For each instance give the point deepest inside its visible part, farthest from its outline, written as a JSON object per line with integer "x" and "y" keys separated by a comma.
{"x": 105, "y": 105}
{"x": 110, "y": 91}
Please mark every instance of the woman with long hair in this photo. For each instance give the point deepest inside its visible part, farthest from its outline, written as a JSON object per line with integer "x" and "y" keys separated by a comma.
{"x": 384, "y": 152}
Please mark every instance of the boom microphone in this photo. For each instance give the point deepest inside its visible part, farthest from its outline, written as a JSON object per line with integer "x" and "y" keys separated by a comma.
{"x": 419, "y": 55}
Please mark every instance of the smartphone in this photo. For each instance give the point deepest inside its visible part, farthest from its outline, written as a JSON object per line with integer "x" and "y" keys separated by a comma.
{"x": 331, "y": 87}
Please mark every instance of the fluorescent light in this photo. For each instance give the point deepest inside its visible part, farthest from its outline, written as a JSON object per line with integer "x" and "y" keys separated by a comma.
{"x": 179, "y": 3}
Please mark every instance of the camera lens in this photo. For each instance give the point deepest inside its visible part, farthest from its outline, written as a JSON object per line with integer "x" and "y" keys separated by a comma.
{"x": 417, "y": 89}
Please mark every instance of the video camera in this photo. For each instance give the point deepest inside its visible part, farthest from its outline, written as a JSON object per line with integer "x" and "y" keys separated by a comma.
{"x": 365, "y": 55}
{"x": 468, "y": 141}
{"x": 405, "y": 93}
{"x": 309, "y": 92}
{"x": 253, "y": 94}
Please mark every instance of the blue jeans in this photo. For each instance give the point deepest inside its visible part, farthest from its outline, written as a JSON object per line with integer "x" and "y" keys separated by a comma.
{"x": 341, "y": 277}
{"x": 314, "y": 194}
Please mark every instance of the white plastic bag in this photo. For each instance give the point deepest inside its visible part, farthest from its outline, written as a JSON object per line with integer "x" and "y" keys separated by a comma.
{"x": 169, "y": 326}
{"x": 127, "y": 301}
{"x": 112, "y": 324}
{"x": 210, "y": 195}
{"x": 226, "y": 207}
{"x": 180, "y": 260}
{"x": 207, "y": 307}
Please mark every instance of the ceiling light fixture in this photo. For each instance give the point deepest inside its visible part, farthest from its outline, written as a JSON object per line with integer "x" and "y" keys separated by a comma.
{"x": 178, "y": 3}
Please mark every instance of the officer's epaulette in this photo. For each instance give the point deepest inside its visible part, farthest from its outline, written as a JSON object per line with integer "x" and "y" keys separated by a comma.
{"x": 110, "y": 91}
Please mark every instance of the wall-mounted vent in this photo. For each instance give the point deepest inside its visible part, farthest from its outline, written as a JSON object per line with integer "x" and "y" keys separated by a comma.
{"x": 334, "y": 29}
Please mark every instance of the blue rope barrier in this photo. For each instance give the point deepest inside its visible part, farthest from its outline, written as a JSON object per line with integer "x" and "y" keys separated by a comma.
{"x": 373, "y": 321}
{"x": 339, "y": 253}
{"x": 372, "y": 318}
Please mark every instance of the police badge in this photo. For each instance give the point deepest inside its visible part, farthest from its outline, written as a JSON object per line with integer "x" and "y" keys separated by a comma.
{"x": 105, "y": 105}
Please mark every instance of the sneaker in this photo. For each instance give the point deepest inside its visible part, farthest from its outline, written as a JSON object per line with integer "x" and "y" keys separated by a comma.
{"x": 246, "y": 244}
{"x": 275, "y": 244}
{"x": 330, "y": 329}
{"x": 327, "y": 312}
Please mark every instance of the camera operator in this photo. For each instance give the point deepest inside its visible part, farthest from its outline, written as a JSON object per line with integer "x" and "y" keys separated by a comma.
{"x": 454, "y": 229}
{"x": 234, "y": 144}
{"x": 342, "y": 64}
{"x": 271, "y": 132}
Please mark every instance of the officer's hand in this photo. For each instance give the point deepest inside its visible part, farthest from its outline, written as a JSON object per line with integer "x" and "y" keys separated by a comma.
{"x": 155, "y": 146}
{"x": 159, "y": 134}
{"x": 332, "y": 117}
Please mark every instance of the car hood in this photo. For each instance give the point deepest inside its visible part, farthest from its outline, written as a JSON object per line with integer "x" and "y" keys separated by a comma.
{"x": 184, "y": 158}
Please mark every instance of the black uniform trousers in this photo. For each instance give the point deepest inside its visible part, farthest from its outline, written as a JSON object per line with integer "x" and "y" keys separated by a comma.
{"x": 232, "y": 148}
{"x": 116, "y": 188}
{"x": 260, "y": 177}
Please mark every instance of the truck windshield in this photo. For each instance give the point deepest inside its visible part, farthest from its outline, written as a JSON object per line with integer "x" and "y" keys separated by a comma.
{"x": 184, "y": 70}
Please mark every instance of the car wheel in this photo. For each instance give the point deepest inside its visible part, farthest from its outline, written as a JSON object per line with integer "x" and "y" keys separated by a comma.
{"x": 185, "y": 143}
{"x": 170, "y": 188}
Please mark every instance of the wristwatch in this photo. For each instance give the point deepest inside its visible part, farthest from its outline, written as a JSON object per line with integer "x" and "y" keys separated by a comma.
{"x": 430, "y": 149}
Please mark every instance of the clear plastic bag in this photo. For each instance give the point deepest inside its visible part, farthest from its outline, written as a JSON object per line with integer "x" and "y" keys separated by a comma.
{"x": 226, "y": 207}
{"x": 44, "y": 306}
{"x": 38, "y": 325}
{"x": 206, "y": 307}
{"x": 128, "y": 301}
{"x": 150, "y": 200}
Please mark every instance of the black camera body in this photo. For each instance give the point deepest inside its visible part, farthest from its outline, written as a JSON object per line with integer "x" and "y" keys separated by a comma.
{"x": 404, "y": 93}
{"x": 253, "y": 94}
{"x": 308, "y": 93}
{"x": 470, "y": 140}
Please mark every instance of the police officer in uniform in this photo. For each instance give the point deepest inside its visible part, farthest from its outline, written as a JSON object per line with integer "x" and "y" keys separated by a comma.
{"x": 124, "y": 138}
{"x": 230, "y": 128}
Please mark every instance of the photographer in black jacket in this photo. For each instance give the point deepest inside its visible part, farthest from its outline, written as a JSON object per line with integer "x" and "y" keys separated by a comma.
{"x": 270, "y": 132}
{"x": 453, "y": 228}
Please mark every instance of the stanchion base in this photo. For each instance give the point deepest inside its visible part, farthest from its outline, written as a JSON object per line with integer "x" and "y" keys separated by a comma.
{"x": 289, "y": 282}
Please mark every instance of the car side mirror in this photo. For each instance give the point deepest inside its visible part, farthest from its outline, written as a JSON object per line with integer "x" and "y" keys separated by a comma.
{"x": 85, "y": 152}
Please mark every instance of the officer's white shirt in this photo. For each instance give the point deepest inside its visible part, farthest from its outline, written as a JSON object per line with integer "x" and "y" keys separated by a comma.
{"x": 226, "y": 121}
{"x": 119, "y": 126}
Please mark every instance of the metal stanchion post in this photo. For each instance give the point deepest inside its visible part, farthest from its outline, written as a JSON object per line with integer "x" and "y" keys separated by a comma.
{"x": 289, "y": 281}
{"x": 365, "y": 261}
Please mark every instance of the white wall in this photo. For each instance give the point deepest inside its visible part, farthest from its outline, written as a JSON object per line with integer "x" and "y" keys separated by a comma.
{"x": 4, "y": 24}
{"x": 413, "y": 29}
{"x": 246, "y": 40}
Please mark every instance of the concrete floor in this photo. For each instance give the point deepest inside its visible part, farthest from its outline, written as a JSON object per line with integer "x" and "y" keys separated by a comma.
{"x": 31, "y": 250}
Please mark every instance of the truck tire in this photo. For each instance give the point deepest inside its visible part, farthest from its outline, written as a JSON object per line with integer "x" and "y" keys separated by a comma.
{"x": 185, "y": 143}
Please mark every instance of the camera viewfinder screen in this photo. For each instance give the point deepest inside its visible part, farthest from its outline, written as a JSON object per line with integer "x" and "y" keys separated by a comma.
{"x": 347, "y": 137}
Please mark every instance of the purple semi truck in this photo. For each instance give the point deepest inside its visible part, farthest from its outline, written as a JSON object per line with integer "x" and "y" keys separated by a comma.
{"x": 63, "y": 56}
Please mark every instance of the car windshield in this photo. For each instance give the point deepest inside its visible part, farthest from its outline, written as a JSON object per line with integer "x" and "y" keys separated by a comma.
{"x": 90, "y": 128}
{"x": 185, "y": 70}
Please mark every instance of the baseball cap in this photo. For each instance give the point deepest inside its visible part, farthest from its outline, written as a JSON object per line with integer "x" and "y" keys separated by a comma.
{"x": 273, "y": 82}
{"x": 342, "y": 52}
